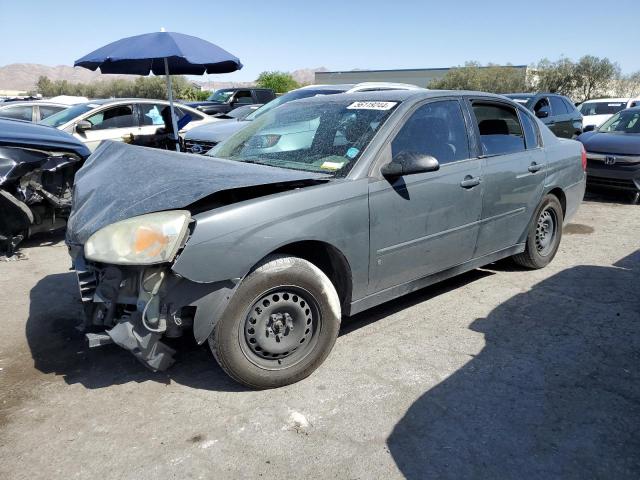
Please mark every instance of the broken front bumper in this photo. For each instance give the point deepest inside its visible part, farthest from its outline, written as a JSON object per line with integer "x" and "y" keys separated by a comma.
{"x": 136, "y": 306}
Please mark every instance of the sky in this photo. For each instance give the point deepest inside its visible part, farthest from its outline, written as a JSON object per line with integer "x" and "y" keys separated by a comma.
{"x": 339, "y": 35}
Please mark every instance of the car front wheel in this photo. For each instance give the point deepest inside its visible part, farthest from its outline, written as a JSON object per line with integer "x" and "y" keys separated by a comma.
{"x": 280, "y": 325}
{"x": 544, "y": 235}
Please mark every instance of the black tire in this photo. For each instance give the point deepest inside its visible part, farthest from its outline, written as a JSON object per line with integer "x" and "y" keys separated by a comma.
{"x": 285, "y": 303}
{"x": 542, "y": 245}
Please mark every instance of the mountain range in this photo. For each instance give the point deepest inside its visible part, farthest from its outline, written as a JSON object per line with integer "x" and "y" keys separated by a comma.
{"x": 23, "y": 76}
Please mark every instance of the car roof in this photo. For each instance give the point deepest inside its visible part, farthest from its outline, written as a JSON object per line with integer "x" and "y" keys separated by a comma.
{"x": 531, "y": 95}
{"x": 399, "y": 95}
{"x": 30, "y": 103}
{"x": 343, "y": 86}
{"x": 621, "y": 100}
{"x": 106, "y": 101}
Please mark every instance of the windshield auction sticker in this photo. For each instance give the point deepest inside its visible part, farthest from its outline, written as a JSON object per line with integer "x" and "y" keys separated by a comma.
{"x": 372, "y": 105}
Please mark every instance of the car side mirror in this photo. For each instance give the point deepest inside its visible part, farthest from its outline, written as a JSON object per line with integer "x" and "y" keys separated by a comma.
{"x": 589, "y": 128}
{"x": 542, "y": 113}
{"x": 83, "y": 125}
{"x": 408, "y": 163}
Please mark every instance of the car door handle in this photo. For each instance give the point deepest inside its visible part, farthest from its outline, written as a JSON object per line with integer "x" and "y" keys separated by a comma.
{"x": 534, "y": 167}
{"x": 470, "y": 182}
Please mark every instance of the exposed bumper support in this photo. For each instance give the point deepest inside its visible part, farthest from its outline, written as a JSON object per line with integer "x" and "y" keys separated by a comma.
{"x": 145, "y": 345}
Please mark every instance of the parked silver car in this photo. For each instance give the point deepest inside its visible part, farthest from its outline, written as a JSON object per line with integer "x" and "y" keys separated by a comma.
{"x": 129, "y": 120}
{"x": 261, "y": 254}
{"x": 30, "y": 111}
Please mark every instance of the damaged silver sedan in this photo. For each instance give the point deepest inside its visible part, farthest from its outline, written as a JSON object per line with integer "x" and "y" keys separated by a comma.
{"x": 320, "y": 209}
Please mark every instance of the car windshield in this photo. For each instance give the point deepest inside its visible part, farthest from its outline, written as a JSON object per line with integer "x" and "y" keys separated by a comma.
{"x": 626, "y": 121}
{"x": 220, "y": 96}
{"x": 325, "y": 137}
{"x": 289, "y": 97}
{"x": 67, "y": 115}
{"x": 601, "y": 108}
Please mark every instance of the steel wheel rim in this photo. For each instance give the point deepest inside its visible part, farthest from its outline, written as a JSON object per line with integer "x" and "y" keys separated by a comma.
{"x": 280, "y": 328}
{"x": 546, "y": 231}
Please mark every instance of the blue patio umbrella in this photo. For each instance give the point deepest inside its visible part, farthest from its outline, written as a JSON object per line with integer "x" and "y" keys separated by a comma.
{"x": 161, "y": 53}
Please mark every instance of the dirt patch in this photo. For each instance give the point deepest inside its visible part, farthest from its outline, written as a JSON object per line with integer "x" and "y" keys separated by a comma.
{"x": 578, "y": 229}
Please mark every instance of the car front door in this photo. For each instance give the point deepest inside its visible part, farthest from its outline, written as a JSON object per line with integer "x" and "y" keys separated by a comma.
{"x": 542, "y": 110}
{"x": 513, "y": 172}
{"x": 426, "y": 222}
{"x": 118, "y": 123}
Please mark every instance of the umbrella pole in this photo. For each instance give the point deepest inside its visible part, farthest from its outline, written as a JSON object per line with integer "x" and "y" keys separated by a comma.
{"x": 170, "y": 92}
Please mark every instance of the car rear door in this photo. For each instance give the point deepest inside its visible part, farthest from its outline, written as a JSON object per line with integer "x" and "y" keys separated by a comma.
{"x": 426, "y": 222}
{"x": 513, "y": 172}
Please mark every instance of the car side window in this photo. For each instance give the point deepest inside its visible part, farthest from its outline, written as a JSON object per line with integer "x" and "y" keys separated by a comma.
{"x": 194, "y": 116}
{"x": 437, "y": 129}
{"x": 542, "y": 106}
{"x": 558, "y": 107}
{"x": 152, "y": 113}
{"x": 48, "y": 110}
{"x": 263, "y": 96}
{"x": 22, "y": 112}
{"x": 531, "y": 136}
{"x": 243, "y": 97}
{"x": 120, "y": 116}
{"x": 570, "y": 106}
{"x": 499, "y": 127}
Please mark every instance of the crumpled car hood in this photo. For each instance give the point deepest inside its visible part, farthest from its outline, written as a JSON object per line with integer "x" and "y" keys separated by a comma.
{"x": 120, "y": 181}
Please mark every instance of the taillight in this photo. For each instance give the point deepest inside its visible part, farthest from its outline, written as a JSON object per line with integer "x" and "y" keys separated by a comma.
{"x": 584, "y": 159}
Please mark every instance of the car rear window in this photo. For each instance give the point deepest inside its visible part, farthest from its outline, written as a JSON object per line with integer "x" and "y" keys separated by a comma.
{"x": 601, "y": 108}
{"x": 499, "y": 128}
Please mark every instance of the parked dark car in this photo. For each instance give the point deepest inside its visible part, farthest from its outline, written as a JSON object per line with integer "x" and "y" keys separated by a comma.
{"x": 239, "y": 113}
{"x": 613, "y": 153}
{"x": 37, "y": 165}
{"x": 556, "y": 112}
{"x": 261, "y": 254}
{"x": 226, "y": 99}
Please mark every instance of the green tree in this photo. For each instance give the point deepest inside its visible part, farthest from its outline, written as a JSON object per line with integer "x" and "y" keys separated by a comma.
{"x": 554, "y": 77}
{"x": 490, "y": 78}
{"x": 44, "y": 86}
{"x": 628, "y": 85}
{"x": 141, "y": 87}
{"x": 280, "y": 82}
{"x": 587, "y": 78}
{"x": 595, "y": 76}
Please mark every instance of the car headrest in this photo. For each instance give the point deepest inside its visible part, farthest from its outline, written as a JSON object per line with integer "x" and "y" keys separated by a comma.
{"x": 492, "y": 126}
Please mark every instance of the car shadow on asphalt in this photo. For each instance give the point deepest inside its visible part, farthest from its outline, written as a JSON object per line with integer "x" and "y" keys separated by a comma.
{"x": 555, "y": 392}
{"x": 57, "y": 346}
{"x": 601, "y": 195}
{"x": 57, "y": 342}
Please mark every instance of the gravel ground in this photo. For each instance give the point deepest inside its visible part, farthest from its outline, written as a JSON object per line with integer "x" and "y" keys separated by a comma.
{"x": 499, "y": 373}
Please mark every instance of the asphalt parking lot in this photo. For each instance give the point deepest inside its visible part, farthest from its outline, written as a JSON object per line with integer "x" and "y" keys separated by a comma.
{"x": 499, "y": 373}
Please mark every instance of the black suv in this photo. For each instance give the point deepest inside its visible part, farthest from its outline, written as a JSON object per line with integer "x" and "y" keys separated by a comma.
{"x": 226, "y": 99}
{"x": 557, "y": 112}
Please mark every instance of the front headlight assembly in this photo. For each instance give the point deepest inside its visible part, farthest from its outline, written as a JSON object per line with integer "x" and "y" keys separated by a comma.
{"x": 143, "y": 240}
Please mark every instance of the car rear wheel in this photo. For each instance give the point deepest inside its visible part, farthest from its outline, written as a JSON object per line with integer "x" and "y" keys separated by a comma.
{"x": 544, "y": 235}
{"x": 280, "y": 325}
